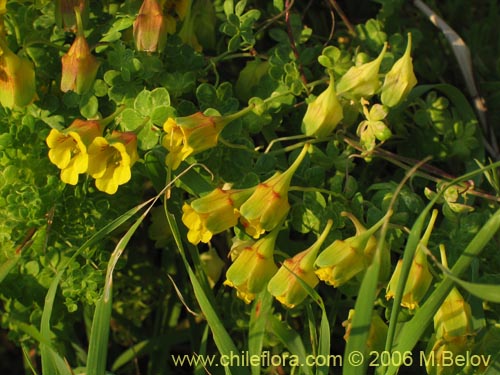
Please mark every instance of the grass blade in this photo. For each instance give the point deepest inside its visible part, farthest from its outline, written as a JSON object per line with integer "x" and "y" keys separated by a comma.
{"x": 291, "y": 340}
{"x": 257, "y": 327}
{"x": 221, "y": 337}
{"x": 99, "y": 334}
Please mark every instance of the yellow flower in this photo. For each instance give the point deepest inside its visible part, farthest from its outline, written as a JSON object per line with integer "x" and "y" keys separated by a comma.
{"x": 323, "y": 114}
{"x": 79, "y": 66}
{"x": 111, "y": 158}
{"x": 268, "y": 205}
{"x": 453, "y": 327}
{"x": 17, "y": 79}
{"x": 68, "y": 149}
{"x": 213, "y": 213}
{"x": 361, "y": 81}
{"x": 150, "y": 27}
{"x": 284, "y": 285}
{"x": 253, "y": 268}
{"x": 344, "y": 259}
{"x": 186, "y": 136}
{"x": 399, "y": 80}
{"x": 419, "y": 279}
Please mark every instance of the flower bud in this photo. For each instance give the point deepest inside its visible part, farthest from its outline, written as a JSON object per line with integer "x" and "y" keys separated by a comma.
{"x": 212, "y": 264}
{"x": 362, "y": 80}
{"x": 419, "y": 279}
{"x": 344, "y": 259}
{"x": 68, "y": 149}
{"x": 205, "y": 22}
{"x": 268, "y": 205}
{"x": 399, "y": 80}
{"x": 186, "y": 136}
{"x": 323, "y": 114}
{"x": 377, "y": 334}
{"x": 79, "y": 66}
{"x": 150, "y": 27}
{"x": 253, "y": 268}
{"x": 111, "y": 158}
{"x": 213, "y": 213}
{"x": 17, "y": 79}
{"x": 65, "y": 13}
{"x": 285, "y": 285}
{"x": 187, "y": 32}
{"x": 249, "y": 78}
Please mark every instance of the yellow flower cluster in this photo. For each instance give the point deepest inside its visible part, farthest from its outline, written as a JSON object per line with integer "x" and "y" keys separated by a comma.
{"x": 262, "y": 209}
{"x": 81, "y": 148}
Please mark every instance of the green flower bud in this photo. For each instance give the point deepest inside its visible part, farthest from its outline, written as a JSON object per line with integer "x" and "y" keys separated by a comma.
{"x": 187, "y": 32}
{"x": 285, "y": 286}
{"x": 17, "y": 79}
{"x": 361, "y": 81}
{"x": 419, "y": 278}
{"x": 249, "y": 78}
{"x": 268, "y": 205}
{"x": 212, "y": 264}
{"x": 399, "y": 80}
{"x": 150, "y": 27}
{"x": 205, "y": 23}
{"x": 323, "y": 114}
{"x": 377, "y": 334}
{"x": 65, "y": 13}
{"x": 344, "y": 259}
{"x": 253, "y": 268}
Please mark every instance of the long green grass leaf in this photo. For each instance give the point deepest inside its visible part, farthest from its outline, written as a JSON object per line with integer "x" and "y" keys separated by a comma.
{"x": 222, "y": 340}
{"x": 487, "y": 292}
{"x": 261, "y": 311}
{"x": 292, "y": 340}
{"x": 99, "y": 334}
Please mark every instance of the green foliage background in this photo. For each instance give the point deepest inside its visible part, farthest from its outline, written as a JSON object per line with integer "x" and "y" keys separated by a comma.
{"x": 269, "y": 54}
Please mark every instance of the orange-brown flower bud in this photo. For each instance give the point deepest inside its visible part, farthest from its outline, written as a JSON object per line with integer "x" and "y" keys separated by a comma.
{"x": 79, "y": 66}
{"x": 150, "y": 27}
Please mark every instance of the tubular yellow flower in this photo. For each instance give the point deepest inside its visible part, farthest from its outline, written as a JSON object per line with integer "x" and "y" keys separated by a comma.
{"x": 253, "y": 268}
{"x": 419, "y": 278}
{"x": 68, "y": 149}
{"x": 399, "y": 80}
{"x": 284, "y": 285}
{"x": 213, "y": 213}
{"x": 17, "y": 79}
{"x": 150, "y": 27}
{"x": 186, "y": 136}
{"x": 111, "y": 158}
{"x": 361, "y": 81}
{"x": 344, "y": 259}
{"x": 79, "y": 66}
{"x": 453, "y": 327}
{"x": 323, "y": 114}
{"x": 268, "y": 205}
